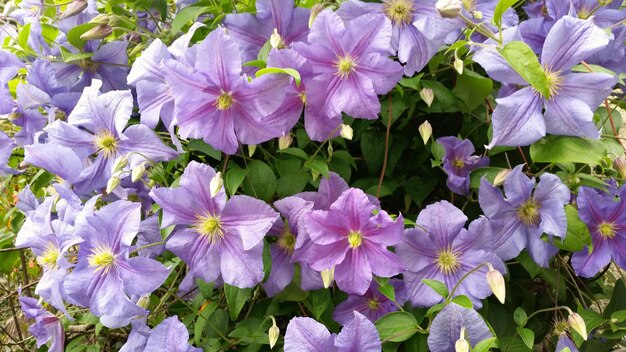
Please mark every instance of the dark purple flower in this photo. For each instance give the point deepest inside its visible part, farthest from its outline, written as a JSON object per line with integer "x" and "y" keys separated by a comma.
{"x": 440, "y": 248}
{"x": 350, "y": 64}
{"x": 307, "y": 335}
{"x": 218, "y": 237}
{"x": 605, "y": 216}
{"x": 170, "y": 335}
{"x": 528, "y": 211}
{"x": 47, "y": 326}
{"x": 105, "y": 276}
{"x": 451, "y": 322}
{"x": 458, "y": 163}
{"x": 518, "y": 119}
{"x": 353, "y": 241}
{"x": 215, "y": 102}
{"x": 252, "y": 31}
{"x": 372, "y": 304}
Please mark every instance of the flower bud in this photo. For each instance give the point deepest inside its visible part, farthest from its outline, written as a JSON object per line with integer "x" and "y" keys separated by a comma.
{"x": 426, "y": 131}
{"x": 496, "y": 283}
{"x": 98, "y": 32}
{"x": 273, "y": 333}
{"x": 458, "y": 65}
{"x": 120, "y": 164}
{"x": 73, "y": 9}
{"x": 620, "y": 165}
{"x": 138, "y": 172}
{"x": 251, "y": 150}
{"x": 215, "y": 186}
{"x": 328, "y": 275}
{"x": 284, "y": 141}
{"x": 427, "y": 96}
{"x": 449, "y": 8}
{"x": 144, "y": 301}
{"x": 276, "y": 41}
{"x": 101, "y": 19}
{"x": 113, "y": 182}
{"x": 501, "y": 176}
{"x": 477, "y": 15}
{"x": 577, "y": 323}
{"x": 462, "y": 345}
{"x": 315, "y": 10}
{"x": 346, "y": 132}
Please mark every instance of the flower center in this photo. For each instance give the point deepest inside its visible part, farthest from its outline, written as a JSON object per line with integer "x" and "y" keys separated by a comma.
{"x": 302, "y": 96}
{"x": 528, "y": 213}
{"x": 345, "y": 65}
{"x": 106, "y": 144}
{"x": 458, "y": 163}
{"x": 287, "y": 240}
{"x": 101, "y": 258}
{"x": 399, "y": 11}
{"x": 607, "y": 230}
{"x": 561, "y": 327}
{"x": 373, "y": 304}
{"x": 209, "y": 226}
{"x": 469, "y": 5}
{"x": 48, "y": 259}
{"x": 88, "y": 65}
{"x": 447, "y": 261}
{"x": 555, "y": 82}
{"x": 224, "y": 101}
{"x": 354, "y": 239}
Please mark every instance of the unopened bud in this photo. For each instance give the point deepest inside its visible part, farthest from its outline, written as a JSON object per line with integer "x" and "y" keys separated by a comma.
{"x": 477, "y": 15}
{"x": 578, "y": 324}
{"x": 284, "y": 141}
{"x": 458, "y": 66}
{"x": 346, "y": 132}
{"x": 426, "y": 131}
{"x": 98, "y": 32}
{"x": 144, "y": 301}
{"x": 427, "y": 96}
{"x": 462, "y": 345}
{"x": 328, "y": 276}
{"x": 276, "y": 41}
{"x": 315, "y": 10}
{"x": 113, "y": 182}
{"x": 73, "y": 9}
{"x": 120, "y": 164}
{"x": 215, "y": 186}
{"x": 273, "y": 333}
{"x": 620, "y": 165}
{"x": 496, "y": 283}
{"x": 501, "y": 176}
{"x": 449, "y": 8}
{"x": 251, "y": 150}
{"x": 101, "y": 19}
{"x": 138, "y": 172}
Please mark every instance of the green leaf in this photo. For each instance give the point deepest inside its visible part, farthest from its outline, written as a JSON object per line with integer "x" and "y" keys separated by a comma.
{"x": 501, "y": 8}
{"x": 396, "y": 326}
{"x": 524, "y": 61}
{"x": 319, "y": 301}
{"x": 463, "y": 301}
{"x": 617, "y": 303}
{"x": 260, "y": 181}
{"x": 200, "y": 324}
{"x": 286, "y": 71}
{"x": 472, "y": 88}
{"x": 68, "y": 56}
{"x": 295, "y": 152}
{"x": 485, "y": 345}
{"x": 318, "y": 165}
{"x": 201, "y": 146}
{"x": 528, "y": 336}
{"x": 373, "y": 149}
{"x": 520, "y": 316}
{"x": 388, "y": 291}
{"x": 438, "y": 286}
{"x": 577, "y": 236}
{"x": 566, "y": 149}
{"x": 186, "y": 15}
{"x": 22, "y": 37}
{"x": 488, "y": 172}
{"x": 618, "y": 317}
{"x": 73, "y": 35}
{"x": 236, "y": 298}
{"x": 234, "y": 178}
{"x": 255, "y": 63}
{"x": 291, "y": 184}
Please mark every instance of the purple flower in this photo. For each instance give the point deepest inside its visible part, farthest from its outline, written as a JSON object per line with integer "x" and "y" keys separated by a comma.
{"x": 170, "y": 335}
{"x": 47, "y": 326}
{"x": 9, "y": 64}
{"x": 96, "y": 126}
{"x": 49, "y": 92}
{"x": 105, "y": 276}
{"x": 439, "y": 248}
{"x": 525, "y": 214}
{"x": 417, "y": 28}
{"x": 307, "y": 335}
{"x": 565, "y": 342}
{"x": 251, "y": 32}
{"x": 518, "y": 118}
{"x": 350, "y": 64}
{"x": 448, "y": 324}
{"x": 605, "y": 216}
{"x": 353, "y": 241}
{"x": 6, "y": 149}
{"x": 213, "y": 101}
{"x": 372, "y": 304}
{"x": 218, "y": 237}
{"x": 458, "y": 163}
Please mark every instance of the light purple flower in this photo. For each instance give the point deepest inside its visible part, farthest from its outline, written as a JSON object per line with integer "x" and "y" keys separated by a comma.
{"x": 215, "y": 102}
{"x": 458, "y": 163}
{"x": 105, "y": 276}
{"x": 6, "y": 149}
{"x": 373, "y": 304}
{"x": 353, "y": 241}
{"x": 9, "y": 64}
{"x": 518, "y": 119}
{"x": 307, "y": 335}
{"x": 47, "y": 326}
{"x": 170, "y": 335}
{"x": 528, "y": 211}
{"x": 440, "y": 248}
{"x": 217, "y": 237}
{"x": 350, "y": 64}
{"x": 447, "y": 325}
{"x": 605, "y": 216}
{"x": 565, "y": 342}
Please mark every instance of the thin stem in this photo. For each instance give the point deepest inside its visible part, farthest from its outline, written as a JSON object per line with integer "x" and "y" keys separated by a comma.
{"x": 384, "y": 169}
{"x": 158, "y": 243}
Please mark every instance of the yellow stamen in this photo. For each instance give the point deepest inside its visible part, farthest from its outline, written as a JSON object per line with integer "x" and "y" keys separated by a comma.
{"x": 373, "y": 304}
{"x": 458, "y": 163}
{"x": 399, "y": 11}
{"x": 224, "y": 101}
{"x": 48, "y": 259}
{"x": 528, "y": 213}
{"x": 101, "y": 258}
{"x": 210, "y": 227}
{"x": 447, "y": 261}
{"x": 287, "y": 240}
{"x": 354, "y": 239}
{"x": 607, "y": 230}
{"x": 555, "y": 82}
{"x": 106, "y": 144}
{"x": 345, "y": 65}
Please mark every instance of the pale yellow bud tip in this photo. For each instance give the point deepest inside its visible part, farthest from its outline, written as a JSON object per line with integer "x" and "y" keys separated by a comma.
{"x": 346, "y": 132}
{"x": 273, "y": 333}
{"x": 328, "y": 276}
{"x": 578, "y": 324}
{"x": 426, "y": 131}
{"x": 216, "y": 184}
{"x": 496, "y": 283}
{"x": 462, "y": 345}
{"x": 427, "y": 96}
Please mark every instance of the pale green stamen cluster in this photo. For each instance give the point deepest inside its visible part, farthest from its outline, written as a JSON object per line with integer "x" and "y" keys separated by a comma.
{"x": 399, "y": 11}
{"x": 447, "y": 261}
{"x": 48, "y": 259}
{"x": 101, "y": 258}
{"x": 210, "y": 227}
{"x": 607, "y": 230}
{"x": 224, "y": 101}
{"x": 106, "y": 144}
{"x": 355, "y": 239}
{"x": 528, "y": 213}
{"x": 345, "y": 65}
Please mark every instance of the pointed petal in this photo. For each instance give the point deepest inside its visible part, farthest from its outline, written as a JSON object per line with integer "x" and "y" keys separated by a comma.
{"x": 248, "y": 218}
{"x": 571, "y": 117}
{"x": 517, "y": 119}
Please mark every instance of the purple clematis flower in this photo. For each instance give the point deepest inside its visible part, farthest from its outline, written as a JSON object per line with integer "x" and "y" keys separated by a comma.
{"x": 45, "y": 91}
{"x": 213, "y": 101}
{"x": 417, "y": 28}
{"x": 96, "y": 126}
{"x": 350, "y": 64}
{"x": 439, "y": 248}
{"x": 605, "y": 216}
{"x": 353, "y": 241}
{"x": 6, "y": 149}
{"x": 170, "y": 335}
{"x": 9, "y": 64}
{"x": 307, "y": 335}
{"x": 105, "y": 276}
{"x": 251, "y": 32}
{"x": 518, "y": 118}
{"x": 217, "y": 237}
{"x": 526, "y": 213}
{"x": 565, "y": 342}
{"x": 451, "y": 322}
{"x": 458, "y": 163}
{"x": 373, "y": 304}
{"x": 47, "y": 326}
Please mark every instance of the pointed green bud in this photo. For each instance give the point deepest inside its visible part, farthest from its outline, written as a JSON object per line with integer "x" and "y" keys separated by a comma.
{"x": 426, "y": 131}
{"x": 113, "y": 182}
{"x": 101, "y": 19}
{"x": 620, "y": 165}
{"x": 496, "y": 283}
{"x": 98, "y": 32}
{"x": 328, "y": 276}
{"x": 458, "y": 65}
{"x": 120, "y": 164}
{"x": 138, "y": 172}
{"x": 73, "y": 9}
{"x": 477, "y": 15}
{"x": 284, "y": 141}
{"x": 427, "y": 96}
{"x": 462, "y": 345}
{"x": 501, "y": 176}
{"x": 315, "y": 10}
{"x": 216, "y": 184}
{"x": 251, "y": 149}
{"x": 273, "y": 333}
{"x": 578, "y": 324}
